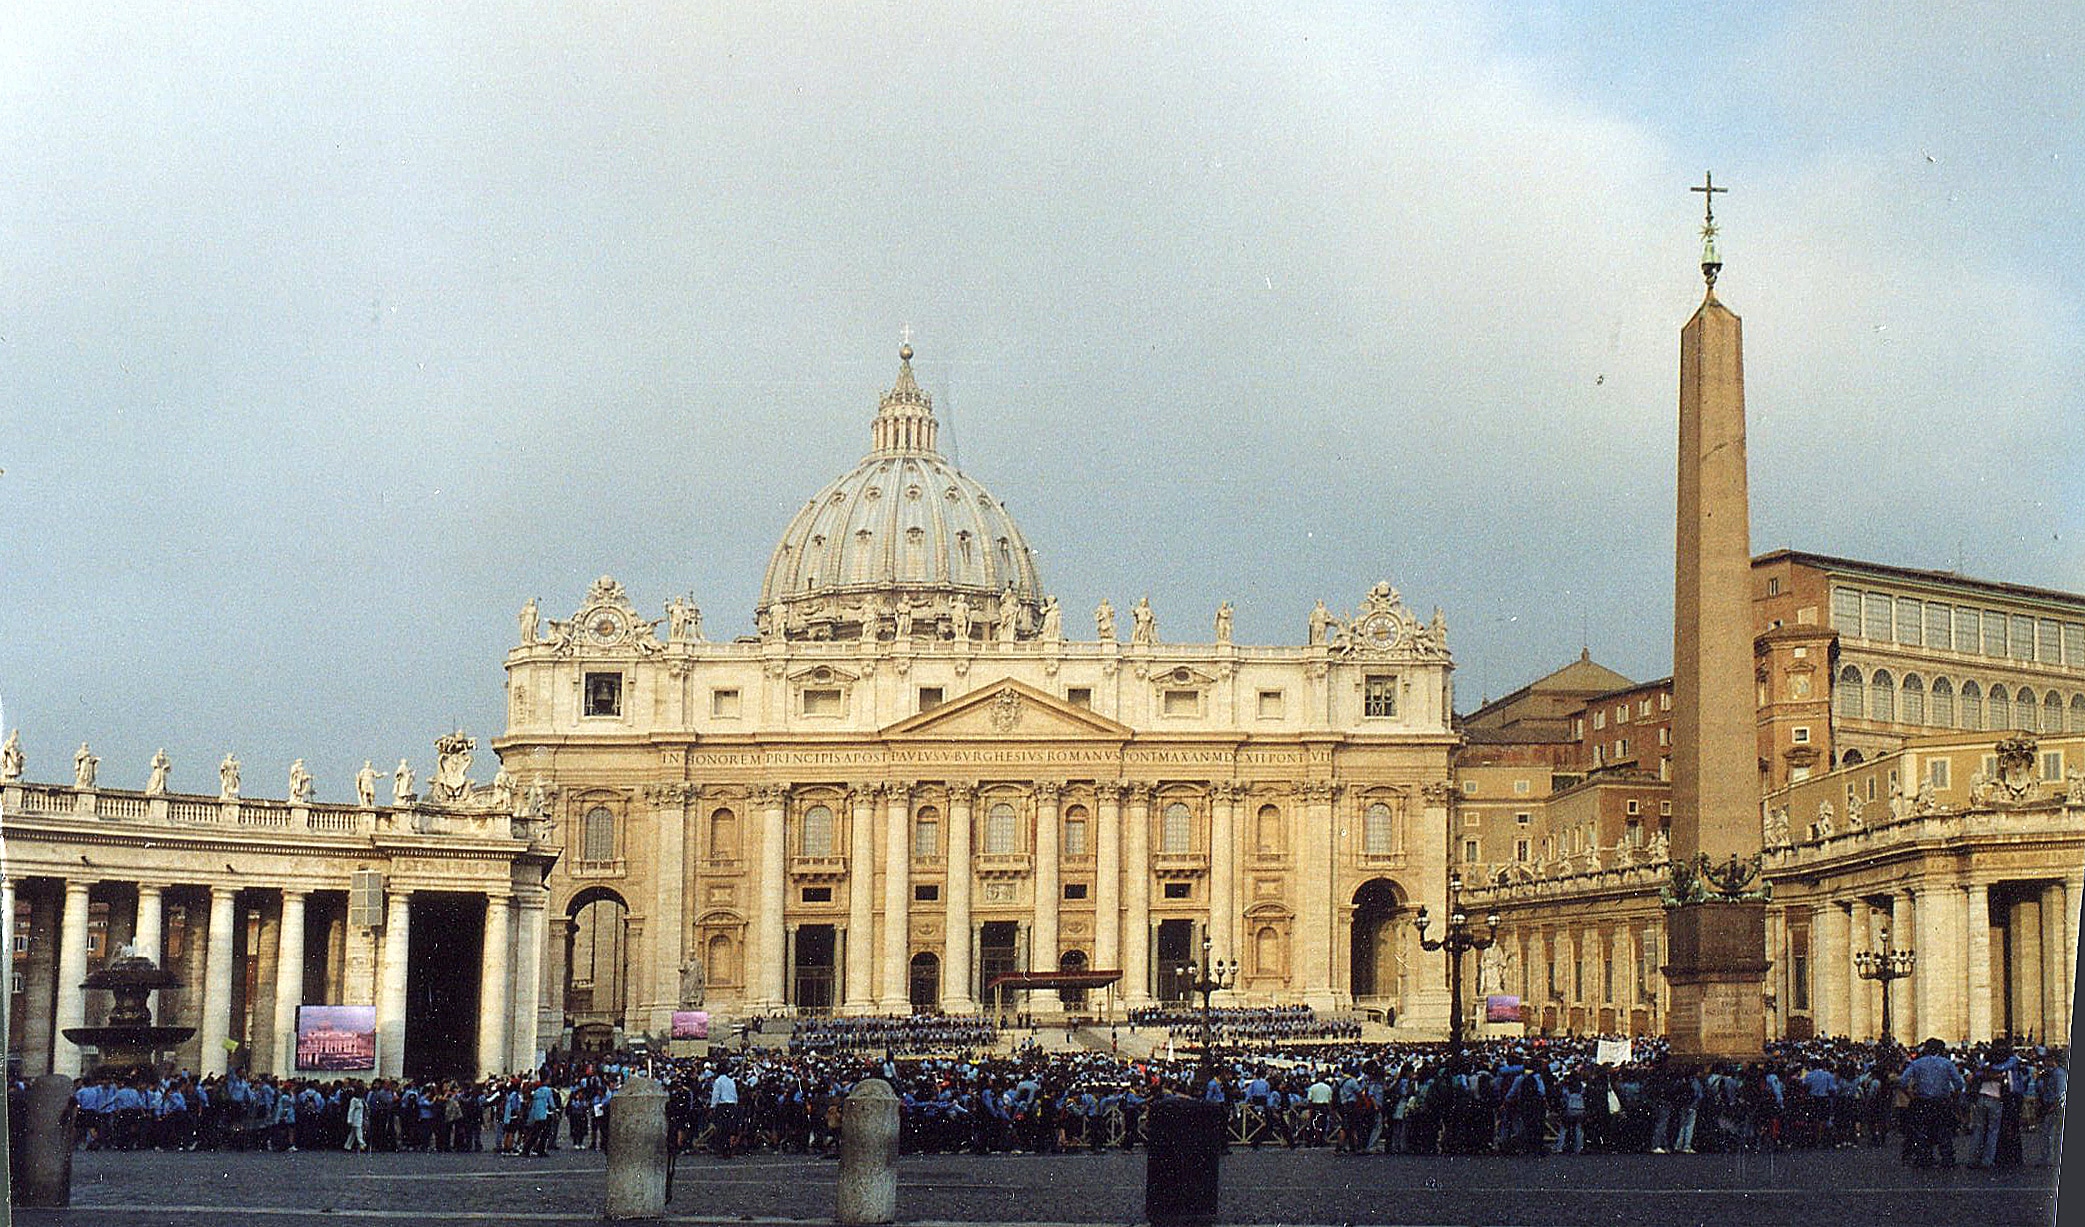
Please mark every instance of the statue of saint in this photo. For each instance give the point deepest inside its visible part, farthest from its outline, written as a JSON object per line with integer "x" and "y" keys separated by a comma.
{"x": 503, "y": 790}
{"x": 365, "y": 785}
{"x": 83, "y": 767}
{"x": 683, "y": 620}
{"x": 902, "y": 620}
{"x": 1104, "y": 621}
{"x": 1009, "y": 615}
{"x": 228, "y": 779}
{"x": 1320, "y": 618}
{"x": 11, "y": 763}
{"x": 1223, "y": 622}
{"x": 959, "y": 619}
{"x": 693, "y": 982}
{"x": 1143, "y": 623}
{"x": 1052, "y": 621}
{"x": 300, "y": 784}
{"x": 402, "y": 784}
{"x": 528, "y": 621}
{"x": 156, "y": 783}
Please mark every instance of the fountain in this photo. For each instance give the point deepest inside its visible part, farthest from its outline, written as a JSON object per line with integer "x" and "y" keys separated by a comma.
{"x": 129, "y": 1043}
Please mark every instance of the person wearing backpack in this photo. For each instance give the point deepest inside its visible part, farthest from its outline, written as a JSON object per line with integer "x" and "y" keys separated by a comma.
{"x": 1571, "y": 1111}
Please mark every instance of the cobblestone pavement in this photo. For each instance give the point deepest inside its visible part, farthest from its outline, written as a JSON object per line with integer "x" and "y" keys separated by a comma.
{"x": 1842, "y": 1189}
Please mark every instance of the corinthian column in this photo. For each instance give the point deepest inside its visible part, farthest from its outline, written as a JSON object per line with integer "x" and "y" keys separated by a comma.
{"x": 391, "y": 996}
{"x": 861, "y": 902}
{"x": 1136, "y": 922}
{"x": 767, "y": 975}
{"x": 217, "y": 984}
{"x": 289, "y": 981}
{"x": 495, "y": 984}
{"x": 668, "y": 928}
{"x": 896, "y": 995}
{"x": 1223, "y": 847}
{"x": 1107, "y": 882}
{"x": 1042, "y": 951}
{"x": 955, "y": 970}
{"x": 1314, "y": 916}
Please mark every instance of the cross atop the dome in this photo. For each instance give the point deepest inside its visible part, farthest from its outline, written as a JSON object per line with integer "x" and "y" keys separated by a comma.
{"x": 905, "y": 333}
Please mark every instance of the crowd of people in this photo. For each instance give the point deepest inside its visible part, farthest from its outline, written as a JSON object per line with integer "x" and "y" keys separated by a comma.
{"x": 1532, "y": 1096}
{"x": 1249, "y": 1024}
{"x": 912, "y": 1034}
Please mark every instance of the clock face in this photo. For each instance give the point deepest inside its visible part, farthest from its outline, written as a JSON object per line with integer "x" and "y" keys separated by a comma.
{"x": 1380, "y": 630}
{"x": 606, "y": 626}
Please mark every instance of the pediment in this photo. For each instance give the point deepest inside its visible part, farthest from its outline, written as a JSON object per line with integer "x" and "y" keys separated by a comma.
{"x": 1010, "y": 709}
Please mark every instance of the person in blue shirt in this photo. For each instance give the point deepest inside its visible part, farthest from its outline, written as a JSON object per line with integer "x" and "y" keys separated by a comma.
{"x": 1932, "y": 1081}
{"x": 2050, "y": 1083}
{"x": 1998, "y": 1084}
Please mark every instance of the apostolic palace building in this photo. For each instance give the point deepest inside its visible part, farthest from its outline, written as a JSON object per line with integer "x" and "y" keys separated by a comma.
{"x": 922, "y": 776}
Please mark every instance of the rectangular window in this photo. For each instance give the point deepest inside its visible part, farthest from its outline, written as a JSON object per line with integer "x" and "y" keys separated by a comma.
{"x": 1183, "y": 703}
{"x": 1665, "y": 735}
{"x": 1520, "y": 788}
{"x": 930, "y": 697}
{"x": 1664, "y": 700}
{"x": 1940, "y": 631}
{"x": 1075, "y": 890}
{"x": 1180, "y": 890}
{"x": 724, "y": 704}
{"x": 1643, "y": 706}
{"x": 927, "y": 892}
{"x": 1846, "y": 611}
{"x": 1994, "y": 634}
{"x": 1520, "y": 850}
{"x": 15, "y": 982}
{"x": 1968, "y": 630}
{"x": 1800, "y": 734}
{"x": 1578, "y": 729}
{"x": 604, "y": 694}
{"x": 1621, "y": 713}
{"x": 1471, "y": 818}
{"x": 1799, "y": 979}
{"x": 21, "y": 943}
{"x": 2022, "y": 644}
{"x": 2052, "y": 764}
{"x": 1665, "y": 808}
{"x": 1878, "y": 617}
{"x": 1937, "y": 771}
{"x": 1469, "y": 851}
{"x": 1599, "y": 720}
{"x": 822, "y": 702}
{"x": 1911, "y": 621}
{"x": 1075, "y": 837}
{"x": 1522, "y": 817}
{"x": 926, "y": 838}
{"x": 2048, "y": 642}
{"x": 818, "y": 894}
{"x": 2074, "y": 644}
{"x": 1271, "y": 705}
{"x": 1773, "y": 585}
{"x": 1621, "y": 749}
{"x": 1469, "y": 788}
{"x": 1633, "y": 807}
{"x": 1079, "y": 696}
{"x": 1989, "y": 766}
{"x": 1379, "y": 695}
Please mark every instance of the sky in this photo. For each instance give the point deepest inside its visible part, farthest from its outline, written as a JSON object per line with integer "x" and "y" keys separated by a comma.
{"x": 329, "y": 334}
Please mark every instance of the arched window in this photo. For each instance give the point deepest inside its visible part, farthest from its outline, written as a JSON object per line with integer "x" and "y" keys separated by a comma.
{"x": 723, "y": 960}
{"x": 1375, "y": 829}
{"x": 2001, "y": 708}
{"x": 818, "y": 831}
{"x": 597, "y": 836}
{"x": 1942, "y": 704}
{"x": 1882, "y": 697}
{"x": 1074, "y": 841}
{"x": 999, "y": 829}
{"x": 1267, "y": 832}
{"x": 1850, "y": 699}
{"x": 1176, "y": 835}
{"x": 2078, "y": 713}
{"x": 1914, "y": 699}
{"x": 926, "y": 832}
{"x": 2052, "y": 712}
{"x": 1972, "y": 706}
{"x": 723, "y": 835}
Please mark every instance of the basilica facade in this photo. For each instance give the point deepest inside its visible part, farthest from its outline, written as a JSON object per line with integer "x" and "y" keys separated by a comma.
{"x": 915, "y": 780}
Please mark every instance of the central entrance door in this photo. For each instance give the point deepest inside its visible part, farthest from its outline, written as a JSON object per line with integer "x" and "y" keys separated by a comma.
{"x": 813, "y": 973}
{"x": 925, "y": 983}
{"x": 998, "y": 954}
{"x": 1176, "y": 948}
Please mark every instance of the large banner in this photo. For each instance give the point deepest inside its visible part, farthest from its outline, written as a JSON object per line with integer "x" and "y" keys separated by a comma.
{"x": 1501, "y": 1008}
{"x": 1611, "y": 1052}
{"x": 336, "y": 1037}
{"x": 691, "y": 1024}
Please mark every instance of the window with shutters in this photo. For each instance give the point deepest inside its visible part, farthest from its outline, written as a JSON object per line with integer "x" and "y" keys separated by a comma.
{"x": 2074, "y": 645}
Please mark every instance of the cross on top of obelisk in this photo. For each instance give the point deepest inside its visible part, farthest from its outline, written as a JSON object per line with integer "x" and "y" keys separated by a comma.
{"x": 1711, "y": 263}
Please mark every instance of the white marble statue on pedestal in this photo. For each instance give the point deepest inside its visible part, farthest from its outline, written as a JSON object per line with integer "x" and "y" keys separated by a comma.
{"x": 11, "y": 763}
{"x": 1143, "y": 623}
{"x": 156, "y": 782}
{"x": 84, "y": 765}
{"x": 402, "y": 784}
{"x": 1052, "y": 621}
{"x": 528, "y": 621}
{"x": 1104, "y": 621}
{"x": 300, "y": 784}
{"x": 228, "y": 779}
{"x": 1009, "y": 616}
{"x": 1320, "y": 618}
{"x": 1223, "y": 622}
{"x": 365, "y": 785}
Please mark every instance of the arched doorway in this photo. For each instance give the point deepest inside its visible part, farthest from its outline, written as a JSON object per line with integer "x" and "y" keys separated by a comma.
{"x": 596, "y": 961}
{"x": 1374, "y": 957}
{"x": 1074, "y": 998}
{"x": 925, "y": 983}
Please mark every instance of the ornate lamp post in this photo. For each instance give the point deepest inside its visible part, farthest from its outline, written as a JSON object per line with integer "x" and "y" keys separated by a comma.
{"x": 1458, "y": 938}
{"x": 1207, "y": 977}
{"x": 1885, "y": 965}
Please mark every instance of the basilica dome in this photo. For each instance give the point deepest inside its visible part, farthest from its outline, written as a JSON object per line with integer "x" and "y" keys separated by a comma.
{"x": 903, "y": 544}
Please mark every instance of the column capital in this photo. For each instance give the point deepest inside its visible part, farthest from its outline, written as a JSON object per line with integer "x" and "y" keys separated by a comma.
{"x": 771, "y": 795}
{"x": 1232, "y": 791}
{"x": 1138, "y": 792}
{"x": 860, "y": 795}
{"x": 1109, "y": 792}
{"x": 1048, "y": 791}
{"x": 962, "y": 792}
{"x": 897, "y": 792}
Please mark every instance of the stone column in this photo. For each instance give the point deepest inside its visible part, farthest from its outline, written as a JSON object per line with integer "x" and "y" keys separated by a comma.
{"x": 1903, "y": 932}
{"x": 1314, "y": 915}
{"x": 1049, "y": 892}
{"x": 150, "y": 936}
{"x": 1977, "y": 986}
{"x": 1930, "y": 982}
{"x": 495, "y": 986}
{"x": 1834, "y": 962}
{"x": 896, "y": 989}
{"x": 216, "y": 1009}
{"x": 767, "y": 976}
{"x": 530, "y": 1024}
{"x": 72, "y": 968}
{"x": 860, "y": 997}
{"x": 1107, "y": 881}
{"x": 1951, "y": 978}
{"x": 1223, "y": 850}
{"x": 391, "y": 985}
{"x": 289, "y": 981}
{"x": 2056, "y": 973}
{"x": 1136, "y": 901}
{"x": 1861, "y": 1005}
{"x": 2027, "y": 968}
{"x": 668, "y": 928}
{"x": 957, "y": 952}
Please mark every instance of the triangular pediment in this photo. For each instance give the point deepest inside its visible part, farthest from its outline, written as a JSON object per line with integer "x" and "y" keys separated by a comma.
{"x": 1010, "y": 709}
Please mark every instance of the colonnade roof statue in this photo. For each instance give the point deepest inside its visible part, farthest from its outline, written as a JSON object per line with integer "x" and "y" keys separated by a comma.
{"x": 902, "y": 543}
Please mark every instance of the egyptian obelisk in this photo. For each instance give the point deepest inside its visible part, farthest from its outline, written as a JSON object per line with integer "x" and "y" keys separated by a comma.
{"x": 1715, "y": 937}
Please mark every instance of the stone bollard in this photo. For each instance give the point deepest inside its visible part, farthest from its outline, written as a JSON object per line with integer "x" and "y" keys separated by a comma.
{"x": 637, "y": 1151}
{"x": 46, "y": 1175}
{"x": 868, "y": 1191}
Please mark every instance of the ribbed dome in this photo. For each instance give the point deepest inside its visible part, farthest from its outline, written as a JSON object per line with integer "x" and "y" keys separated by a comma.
{"x": 903, "y": 530}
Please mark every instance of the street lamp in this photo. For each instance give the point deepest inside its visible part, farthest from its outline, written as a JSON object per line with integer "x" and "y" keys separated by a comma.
{"x": 1207, "y": 977}
{"x": 1458, "y": 938}
{"x": 1884, "y": 965}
